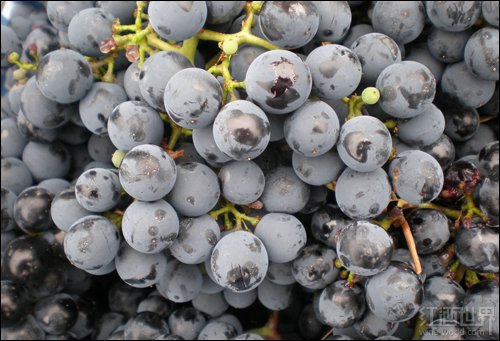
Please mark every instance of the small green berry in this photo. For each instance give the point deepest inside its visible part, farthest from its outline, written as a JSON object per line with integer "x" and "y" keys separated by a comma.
{"x": 117, "y": 158}
{"x": 229, "y": 47}
{"x": 370, "y": 95}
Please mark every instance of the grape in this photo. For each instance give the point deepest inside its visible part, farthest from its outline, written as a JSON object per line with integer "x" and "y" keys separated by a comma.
{"x": 156, "y": 304}
{"x": 145, "y": 326}
{"x": 334, "y": 20}
{"x": 404, "y": 298}
{"x": 240, "y": 300}
{"x": 340, "y": 305}
{"x": 16, "y": 175}
{"x": 131, "y": 82}
{"x": 241, "y": 130}
{"x": 32, "y": 133}
{"x": 56, "y": 314}
{"x": 148, "y": 173}
{"x": 239, "y": 261}
{"x": 355, "y": 32}
{"x": 91, "y": 242}
{"x": 477, "y": 248}
{"x": 43, "y": 40}
{"x": 60, "y": 13}
{"x": 461, "y": 123}
{"x": 364, "y": 143}
{"x": 284, "y": 191}
{"x": 100, "y": 148}
{"x": 204, "y": 143}
{"x": 98, "y": 190}
{"x": 488, "y": 158}
{"x": 217, "y": 330}
{"x": 313, "y": 129}
{"x": 430, "y": 230}
{"x": 314, "y": 267}
{"x": 402, "y": 21}
{"x": 424, "y": 129}
{"x": 319, "y": 170}
{"x": 326, "y": 223}
{"x": 134, "y": 123}
{"x": 447, "y": 47}
{"x": 370, "y": 326}
{"x": 65, "y": 209}
{"x": 278, "y": 81}
{"x": 197, "y": 237}
{"x": 196, "y": 108}
{"x": 13, "y": 142}
{"x": 46, "y": 161}
{"x": 14, "y": 98}
{"x": 15, "y": 304}
{"x": 453, "y": 16}
{"x": 443, "y": 150}
{"x": 283, "y": 236}
{"x": 364, "y": 248}
{"x": 490, "y": 12}
{"x": 86, "y": 42}
{"x": 10, "y": 43}
{"x": 273, "y": 296}
{"x": 29, "y": 329}
{"x": 177, "y": 20}
{"x": 180, "y": 283}
{"x": 39, "y": 110}
{"x": 138, "y": 269}
{"x": 484, "y": 135}
{"x": 220, "y": 12}
{"x": 372, "y": 197}
{"x": 122, "y": 10}
{"x": 442, "y": 297}
{"x": 55, "y": 72}
{"x": 280, "y": 273}
{"x": 8, "y": 201}
{"x": 209, "y": 286}
{"x": 406, "y": 89}
{"x": 335, "y": 69}
{"x": 240, "y": 62}
{"x": 416, "y": 176}
{"x": 186, "y": 322}
{"x": 289, "y": 24}
{"x": 375, "y": 52}
{"x": 210, "y": 304}
{"x": 480, "y": 309}
{"x": 466, "y": 88}
{"x": 96, "y": 107}
{"x": 481, "y": 54}
{"x": 242, "y": 182}
{"x": 155, "y": 74}
{"x": 196, "y": 190}
{"x": 105, "y": 325}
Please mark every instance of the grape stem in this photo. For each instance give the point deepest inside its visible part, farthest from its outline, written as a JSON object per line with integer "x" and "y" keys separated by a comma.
{"x": 177, "y": 132}
{"x": 471, "y": 278}
{"x": 240, "y": 218}
{"x": 398, "y": 217}
{"x": 270, "y": 330}
{"x": 116, "y": 217}
{"x": 420, "y": 327}
{"x": 356, "y": 103}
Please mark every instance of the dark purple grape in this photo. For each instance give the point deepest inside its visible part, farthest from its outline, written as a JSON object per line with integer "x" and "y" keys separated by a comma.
{"x": 480, "y": 310}
{"x": 56, "y": 314}
{"x": 460, "y": 178}
{"x": 32, "y": 210}
{"x": 442, "y": 298}
{"x": 430, "y": 230}
{"x": 15, "y": 305}
{"x": 477, "y": 248}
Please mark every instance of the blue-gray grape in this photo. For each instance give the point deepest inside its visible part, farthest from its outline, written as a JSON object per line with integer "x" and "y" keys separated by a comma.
{"x": 334, "y": 20}
{"x": 242, "y": 182}
{"x": 424, "y": 129}
{"x": 453, "y": 16}
{"x": 85, "y": 41}
{"x": 196, "y": 190}
{"x": 402, "y": 21}
{"x": 150, "y": 227}
{"x": 181, "y": 282}
{"x": 65, "y": 209}
{"x": 177, "y": 20}
{"x": 481, "y": 54}
{"x": 147, "y": 172}
{"x": 319, "y": 170}
{"x": 274, "y": 296}
{"x": 314, "y": 268}
{"x": 98, "y": 190}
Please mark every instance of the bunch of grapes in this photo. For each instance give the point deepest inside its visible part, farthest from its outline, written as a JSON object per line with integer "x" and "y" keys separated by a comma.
{"x": 250, "y": 170}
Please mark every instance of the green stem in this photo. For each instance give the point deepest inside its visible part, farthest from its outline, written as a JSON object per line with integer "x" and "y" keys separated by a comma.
{"x": 420, "y": 327}
{"x": 240, "y": 218}
{"x": 471, "y": 278}
{"x": 188, "y": 48}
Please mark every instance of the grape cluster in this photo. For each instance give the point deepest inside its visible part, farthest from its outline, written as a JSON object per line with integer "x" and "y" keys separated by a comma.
{"x": 250, "y": 170}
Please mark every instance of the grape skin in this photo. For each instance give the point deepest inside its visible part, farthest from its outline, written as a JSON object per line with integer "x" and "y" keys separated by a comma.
{"x": 65, "y": 209}
{"x": 180, "y": 283}
{"x": 364, "y": 143}
{"x": 320, "y": 170}
{"x": 313, "y": 129}
{"x": 481, "y": 54}
{"x": 177, "y": 21}
{"x": 13, "y": 142}
{"x": 91, "y": 242}
{"x": 283, "y": 236}
{"x": 416, "y": 176}
{"x": 370, "y": 200}
{"x": 241, "y": 130}
{"x": 242, "y": 182}
{"x": 273, "y": 296}
{"x": 424, "y": 129}
{"x": 150, "y": 227}
{"x": 453, "y": 16}
{"x": 334, "y": 20}
{"x": 336, "y": 71}
{"x": 243, "y": 270}
{"x": 98, "y": 190}
{"x": 314, "y": 268}
{"x": 196, "y": 190}
{"x": 278, "y": 81}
